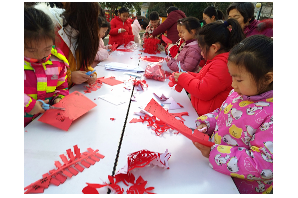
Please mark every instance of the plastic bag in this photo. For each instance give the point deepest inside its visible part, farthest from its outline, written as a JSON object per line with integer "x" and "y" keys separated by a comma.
{"x": 154, "y": 71}
{"x": 151, "y": 45}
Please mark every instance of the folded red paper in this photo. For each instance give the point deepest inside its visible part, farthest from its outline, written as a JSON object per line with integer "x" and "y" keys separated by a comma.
{"x": 75, "y": 105}
{"x": 155, "y": 109}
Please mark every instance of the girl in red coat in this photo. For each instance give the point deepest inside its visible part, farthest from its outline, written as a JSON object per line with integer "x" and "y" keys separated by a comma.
{"x": 120, "y": 28}
{"x": 210, "y": 87}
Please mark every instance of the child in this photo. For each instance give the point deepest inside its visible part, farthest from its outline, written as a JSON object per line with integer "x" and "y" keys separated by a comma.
{"x": 139, "y": 23}
{"x": 242, "y": 128}
{"x": 153, "y": 24}
{"x": 190, "y": 56}
{"x": 211, "y": 14}
{"x": 175, "y": 49}
{"x": 211, "y": 86}
{"x": 44, "y": 65}
{"x": 120, "y": 27}
{"x": 102, "y": 53}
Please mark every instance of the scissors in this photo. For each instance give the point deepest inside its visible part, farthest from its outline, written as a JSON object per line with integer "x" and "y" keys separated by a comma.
{"x": 89, "y": 72}
{"x": 46, "y": 106}
{"x": 180, "y": 70}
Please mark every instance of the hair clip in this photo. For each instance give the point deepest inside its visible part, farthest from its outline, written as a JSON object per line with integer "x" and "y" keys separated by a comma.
{"x": 226, "y": 23}
{"x": 202, "y": 24}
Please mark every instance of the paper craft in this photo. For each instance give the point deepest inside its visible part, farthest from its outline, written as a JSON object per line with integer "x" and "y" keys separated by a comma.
{"x": 161, "y": 98}
{"x": 115, "y": 66}
{"x": 114, "y": 47}
{"x": 137, "y": 159}
{"x": 150, "y": 45}
{"x": 166, "y": 40}
{"x": 179, "y": 115}
{"x": 124, "y": 50}
{"x": 155, "y": 109}
{"x": 112, "y": 119}
{"x": 75, "y": 105}
{"x": 93, "y": 87}
{"x": 110, "y": 81}
{"x": 172, "y": 83}
{"x": 155, "y": 72}
{"x": 72, "y": 166}
{"x": 173, "y": 104}
{"x": 152, "y": 59}
{"x": 114, "y": 99}
{"x": 139, "y": 84}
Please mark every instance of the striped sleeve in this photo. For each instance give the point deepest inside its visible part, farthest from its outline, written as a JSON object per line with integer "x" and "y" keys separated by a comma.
{"x": 29, "y": 103}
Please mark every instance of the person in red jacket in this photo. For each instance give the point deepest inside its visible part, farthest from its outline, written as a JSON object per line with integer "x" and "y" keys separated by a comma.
{"x": 120, "y": 28}
{"x": 170, "y": 24}
{"x": 210, "y": 87}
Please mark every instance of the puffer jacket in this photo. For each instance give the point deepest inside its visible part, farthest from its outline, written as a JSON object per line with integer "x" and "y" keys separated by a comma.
{"x": 115, "y": 37}
{"x": 102, "y": 53}
{"x": 170, "y": 25}
{"x": 45, "y": 80}
{"x": 211, "y": 86}
{"x": 136, "y": 28}
{"x": 189, "y": 58}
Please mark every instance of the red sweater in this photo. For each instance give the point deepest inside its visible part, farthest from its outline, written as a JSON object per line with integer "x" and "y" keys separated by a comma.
{"x": 117, "y": 23}
{"x": 210, "y": 87}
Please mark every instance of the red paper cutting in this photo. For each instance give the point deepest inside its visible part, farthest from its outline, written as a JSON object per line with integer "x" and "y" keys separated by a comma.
{"x": 152, "y": 59}
{"x": 172, "y": 83}
{"x": 155, "y": 109}
{"x": 150, "y": 45}
{"x": 124, "y": 50}
{"x": 114, "y": 46}
{"x": 55, "y": 177}
{"x": 75, "y": 105}
{"x": 93, "y": 87}
{"x": 166, "y": 40}
{"x": 111, "y": 81}
{"x": 137, "y": 159}
{"x": 112, "y": 119}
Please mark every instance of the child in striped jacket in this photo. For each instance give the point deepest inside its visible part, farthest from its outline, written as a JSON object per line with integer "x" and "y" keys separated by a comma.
{"x": 44, "y": 66}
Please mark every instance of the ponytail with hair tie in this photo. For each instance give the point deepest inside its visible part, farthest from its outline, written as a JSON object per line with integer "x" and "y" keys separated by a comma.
{"x": 226, "y": 24}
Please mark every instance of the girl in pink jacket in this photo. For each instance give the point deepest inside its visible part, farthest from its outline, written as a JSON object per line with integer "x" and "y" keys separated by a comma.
{"x": 102, "y": 53}
{"x": 242, "y": 128}
{"x": 190, "y": 56}
{"x": 44, "y": 65}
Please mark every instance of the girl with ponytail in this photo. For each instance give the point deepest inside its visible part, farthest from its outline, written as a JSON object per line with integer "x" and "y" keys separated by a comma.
{"x": 211, "y": 14}
{"x": 211, "y": 86}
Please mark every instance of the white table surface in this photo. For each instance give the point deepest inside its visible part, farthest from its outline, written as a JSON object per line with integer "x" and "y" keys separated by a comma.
{"x": 189, "y": 171}
{"x": 44, "y": 143}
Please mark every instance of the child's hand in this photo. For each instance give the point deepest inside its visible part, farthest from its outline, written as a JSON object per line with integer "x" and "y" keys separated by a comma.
{"x": 78, "y": 77}
{"x": 109, "y": 46}
{"x": 92, "y": 79}
{"x": 205, "y": 150}
{"x": 176, "y": 75}
{"x": 38, "y": 108}
{"x": 57, "y": 100}
{"x": 201, "y": 126}
{"x": 167, "y": 59}
{"x": 122, "y": 30}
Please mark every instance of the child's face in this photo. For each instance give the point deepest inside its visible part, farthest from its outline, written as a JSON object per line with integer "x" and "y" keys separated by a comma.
{"x": 154, "y": 23}
{"x": 186, "y": 35}
{"x": 179, "y": 31}
{"x": 124, "y": 16}
{"x": 102, "y": 32}
{"x": 38, "y": 49}
{"x": 242, "y": 80}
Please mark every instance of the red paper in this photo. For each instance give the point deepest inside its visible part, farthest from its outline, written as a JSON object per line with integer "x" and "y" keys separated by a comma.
{"x": 124, "y": 50}
{"x": 111, "y": 81}
{"x": 152, "y": 59}
{"x": 166, "y": 40}
{"x": 150, "y": 45}
{"x": 112, "y": 119}
{"x": 55, "y": 177}
{"x": 155, "y": 109}
{"x": 114, "y": 47}
{"x": 172, "y": 83}
{"x": 75, "y": 105}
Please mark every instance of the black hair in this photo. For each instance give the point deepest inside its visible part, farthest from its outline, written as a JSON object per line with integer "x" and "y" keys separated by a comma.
{"x": 192, "y": 23}
{"x": 179, "y": 21}
{"x": 37, "y": 25}
{"x": 171, "y": 8}
{"x": 154, "y": 16}
{"x": 123, "y": 10}
{"x": 143, "y": 21}
{"x": 255, "y": 54}
{"x": 55, "y": 4}
{"x": 246, "y": 9}
{"x": 116, "y": 12}
{"x": 218, "y": 32}
{"x": 102, "y": 22}
{"x": 212, "y": 11}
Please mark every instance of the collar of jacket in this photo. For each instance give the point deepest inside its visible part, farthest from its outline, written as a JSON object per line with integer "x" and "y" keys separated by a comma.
{"x": 265, "y": 95}
{"x": 192, "y": 42}
{"x": 66, "y": 32}
{"x": 224, "y": 56}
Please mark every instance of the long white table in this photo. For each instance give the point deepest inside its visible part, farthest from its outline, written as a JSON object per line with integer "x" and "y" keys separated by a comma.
{"x": 189, "y": 171}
